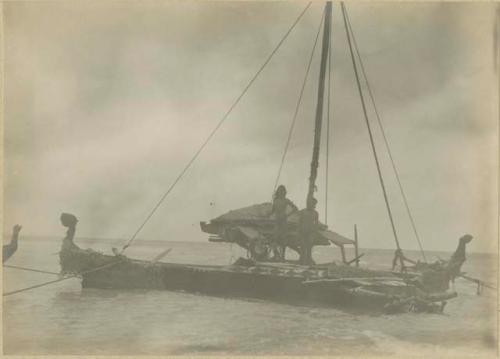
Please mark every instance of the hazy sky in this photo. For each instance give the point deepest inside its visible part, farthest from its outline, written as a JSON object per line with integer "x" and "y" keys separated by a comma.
{"x": 106, "y": 102}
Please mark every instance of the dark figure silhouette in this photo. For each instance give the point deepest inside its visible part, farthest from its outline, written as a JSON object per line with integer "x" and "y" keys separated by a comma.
{"x": 69, "y": 221}
{"x": 280, "y": 206}
{"x": 458, "y": 258}
{"x": 11, "y": 248}
{"x": 400, "y": 258}
{"x": 308, "y": 230}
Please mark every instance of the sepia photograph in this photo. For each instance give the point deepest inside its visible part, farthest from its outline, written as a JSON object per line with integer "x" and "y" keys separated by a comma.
{"x": 250, "y": 178}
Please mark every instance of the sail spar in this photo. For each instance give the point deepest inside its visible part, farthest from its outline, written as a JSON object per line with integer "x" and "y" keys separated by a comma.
{"x": 319, "y": 105}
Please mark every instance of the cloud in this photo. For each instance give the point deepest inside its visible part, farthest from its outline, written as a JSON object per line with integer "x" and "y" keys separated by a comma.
{"x": 106, "y": 103}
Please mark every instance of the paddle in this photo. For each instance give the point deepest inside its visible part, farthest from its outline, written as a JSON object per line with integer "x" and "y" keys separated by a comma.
{"x": 161, "y": 255}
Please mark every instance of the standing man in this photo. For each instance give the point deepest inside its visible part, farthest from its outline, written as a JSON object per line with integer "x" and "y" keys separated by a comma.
{"x": 11, "y": 248}
{"x": 308, "y": 230}
{"x": 280, "y": 206}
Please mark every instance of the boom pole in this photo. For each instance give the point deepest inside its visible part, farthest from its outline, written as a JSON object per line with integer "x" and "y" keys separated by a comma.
{"x": 319, "y": 106}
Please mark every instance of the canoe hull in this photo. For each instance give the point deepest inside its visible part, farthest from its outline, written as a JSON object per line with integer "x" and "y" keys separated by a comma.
{"x": 286, "y": 283}
{"x": 237, "y": 283}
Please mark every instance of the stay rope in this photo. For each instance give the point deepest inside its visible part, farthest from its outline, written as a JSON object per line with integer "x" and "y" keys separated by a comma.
{"x": 363, "y": 105}
{"x": 386, "y": 142}
{"x": 30, "y": 269}
{"x": 297, "y": 106}
{"x": 219, "y": 124}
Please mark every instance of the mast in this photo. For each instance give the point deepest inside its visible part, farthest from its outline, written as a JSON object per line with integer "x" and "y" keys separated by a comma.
{"x": 319, "y": 106}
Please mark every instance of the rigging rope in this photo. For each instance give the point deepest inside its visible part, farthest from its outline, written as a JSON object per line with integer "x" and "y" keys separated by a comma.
{"x": 219, "y": 124}
{"x": 374, "y": 151}
{"x": 379, "y": 121}
{"x": 63, "y": 278}
{"x": 30, "y": 269}
{"x": 297, "y": 106}
{"x": 37, "y": 286}
{"x": 328, "y": 128}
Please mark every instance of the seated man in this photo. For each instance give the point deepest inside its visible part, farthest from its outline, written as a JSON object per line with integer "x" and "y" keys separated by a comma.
{"x": 308, "y": 230}
{"x": 11, "y": 248}
{"x": 279, "y": 209}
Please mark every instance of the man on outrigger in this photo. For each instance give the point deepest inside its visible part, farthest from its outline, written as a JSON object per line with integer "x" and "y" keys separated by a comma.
{"x": 308, "y": 230}
{"x": 280, "y": 206}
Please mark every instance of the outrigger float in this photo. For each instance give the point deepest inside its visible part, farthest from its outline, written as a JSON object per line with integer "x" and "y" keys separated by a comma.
{"x": 419, "y": 286}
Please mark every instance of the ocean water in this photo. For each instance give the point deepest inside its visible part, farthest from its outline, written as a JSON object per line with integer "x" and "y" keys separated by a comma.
{"x": 63, "y": 318}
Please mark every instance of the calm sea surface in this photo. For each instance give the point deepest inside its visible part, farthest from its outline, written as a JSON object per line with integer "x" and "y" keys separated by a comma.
{"x": 64, "y": 319}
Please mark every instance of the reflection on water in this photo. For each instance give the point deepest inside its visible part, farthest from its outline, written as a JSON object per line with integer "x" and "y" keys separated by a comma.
{"x": 64, "y": 319}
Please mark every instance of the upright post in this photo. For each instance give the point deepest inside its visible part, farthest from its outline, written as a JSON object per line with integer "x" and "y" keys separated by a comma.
{"x": 342, "y": 250}
{"x": 356, "y": 249}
